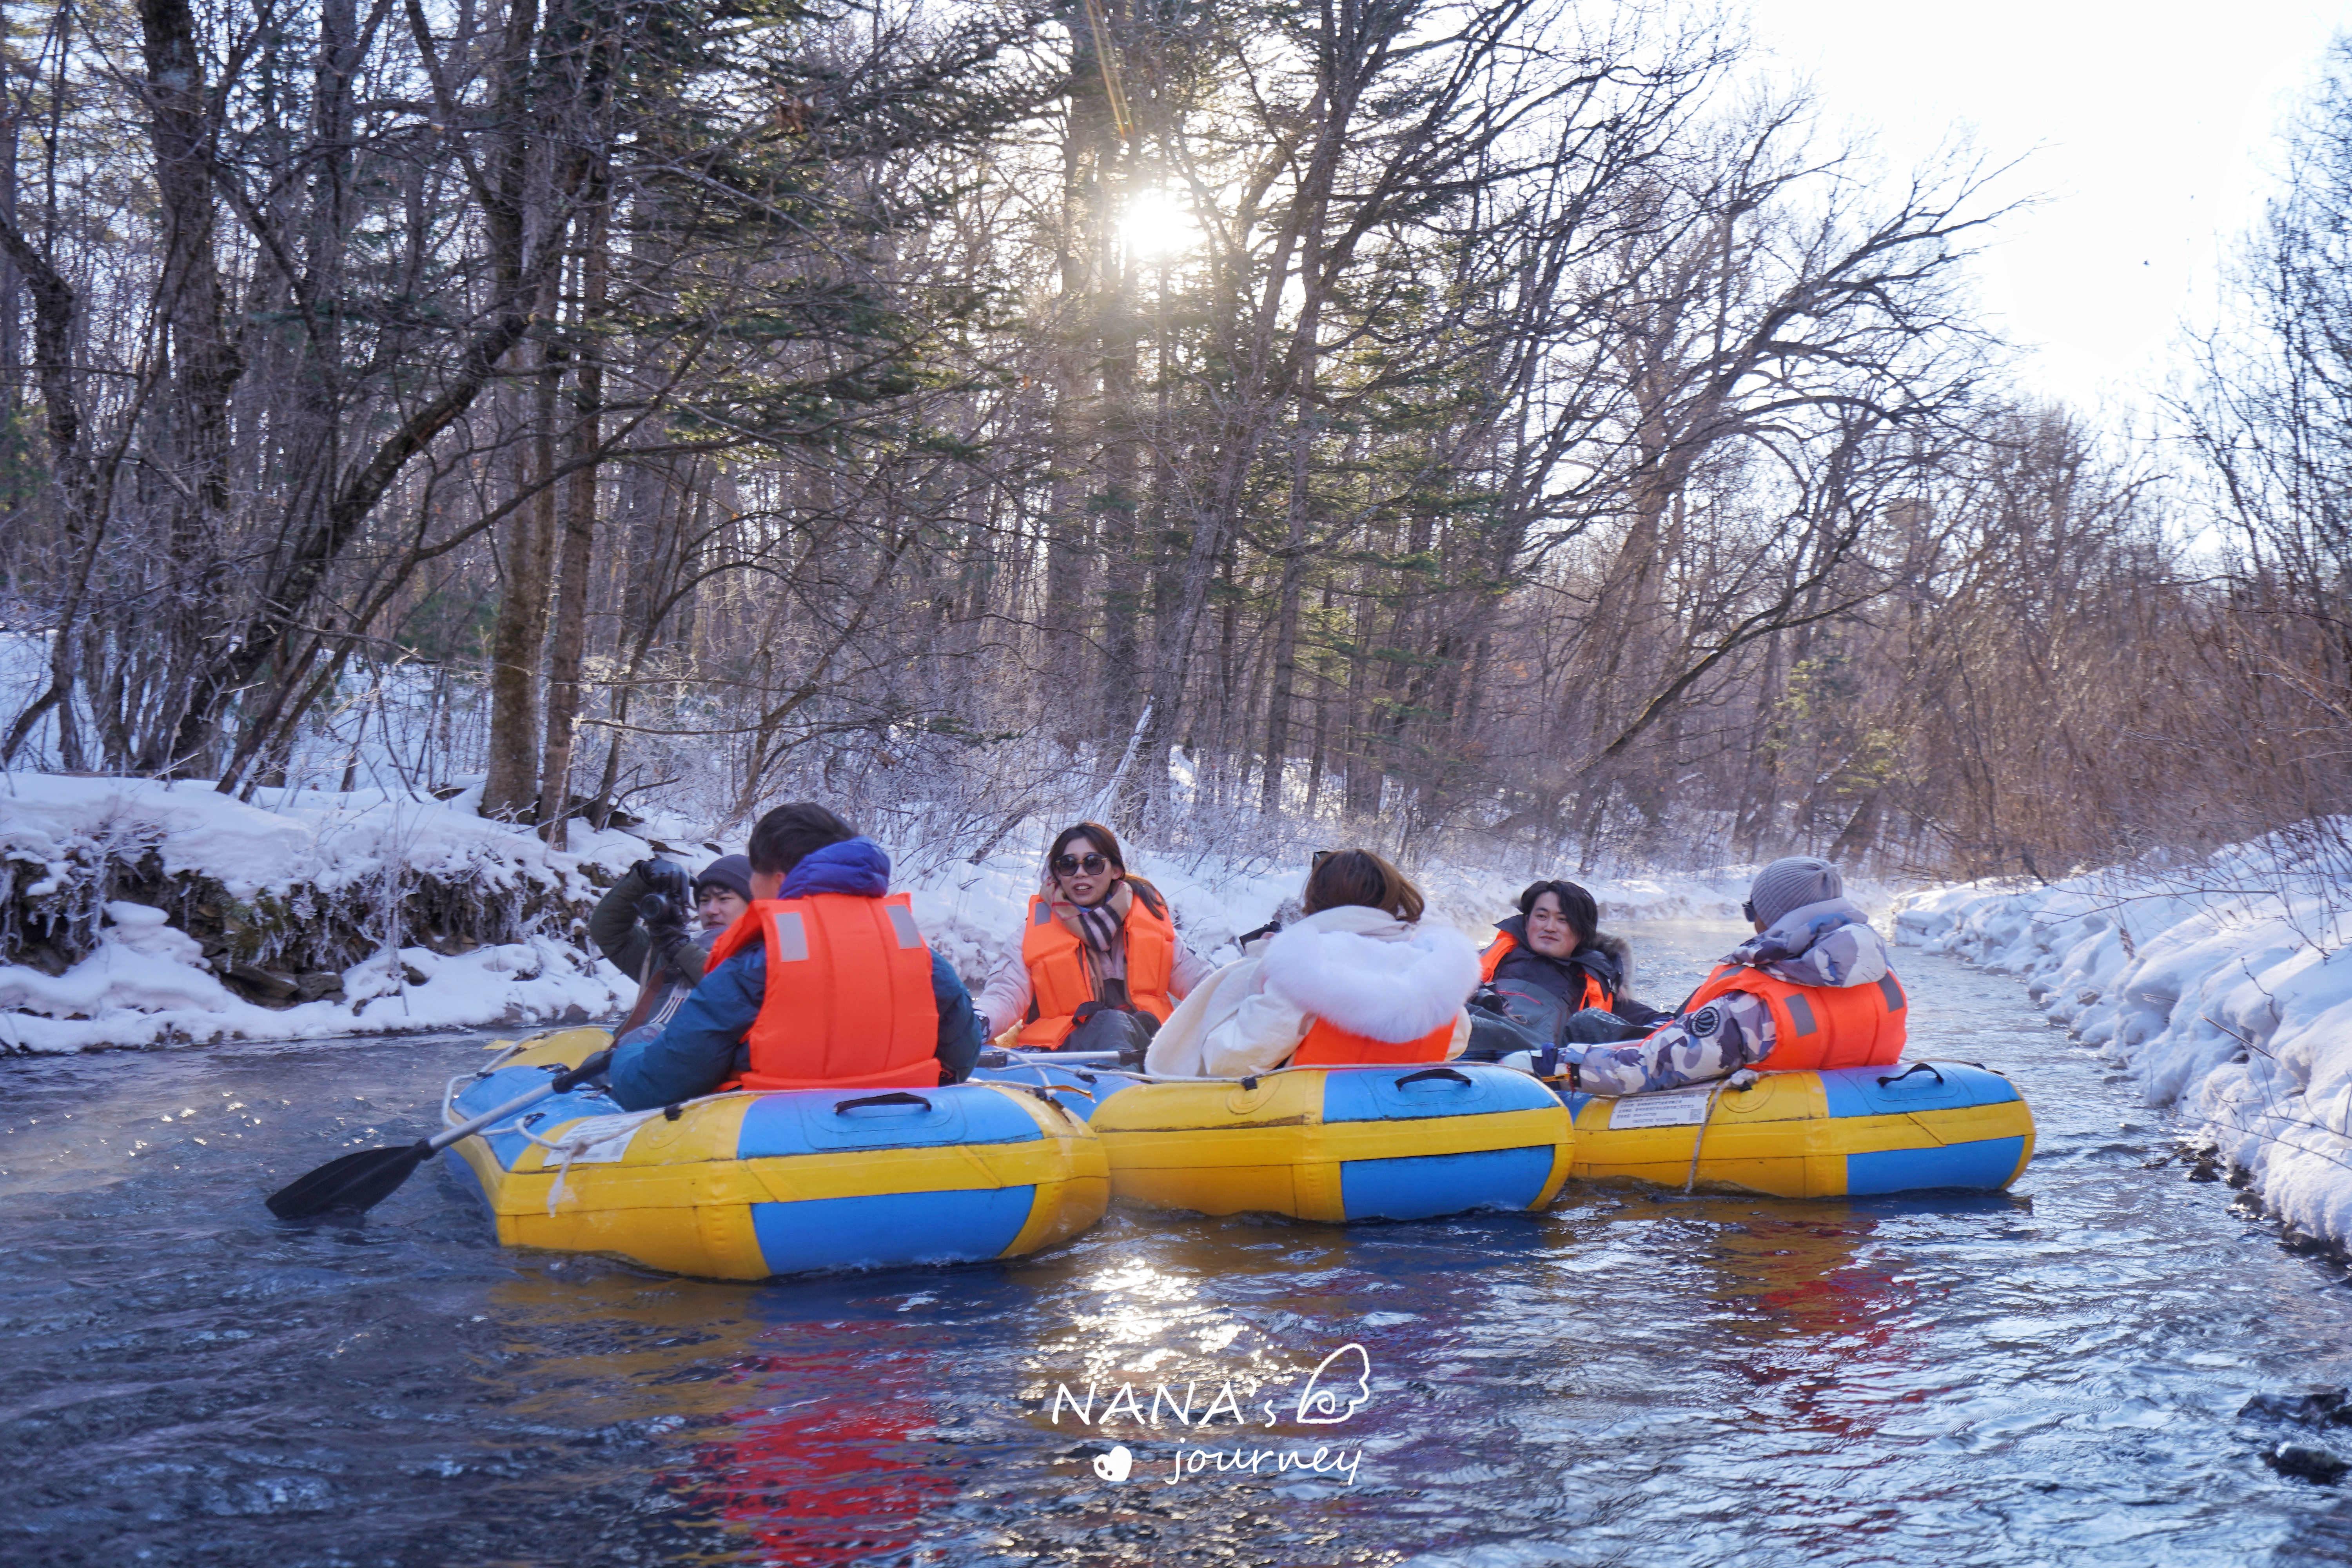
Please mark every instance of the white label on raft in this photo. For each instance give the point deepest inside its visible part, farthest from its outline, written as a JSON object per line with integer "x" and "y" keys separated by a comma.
{"x": 598, "y": 1140}
{"x": 1667, "y": 1108}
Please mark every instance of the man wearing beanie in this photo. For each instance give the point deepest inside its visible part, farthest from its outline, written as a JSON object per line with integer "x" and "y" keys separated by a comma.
{"x": 630, "y": 929}
{"x": 1812, "y": 988}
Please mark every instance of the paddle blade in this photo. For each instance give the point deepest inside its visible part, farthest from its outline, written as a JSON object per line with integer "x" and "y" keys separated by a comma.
{"x": 354, "y": 1182}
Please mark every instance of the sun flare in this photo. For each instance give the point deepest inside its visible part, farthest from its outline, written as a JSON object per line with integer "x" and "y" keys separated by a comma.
{"x": 1159, "y": 224}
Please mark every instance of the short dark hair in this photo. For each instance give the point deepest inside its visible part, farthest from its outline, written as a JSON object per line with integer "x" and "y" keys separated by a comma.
{"x": 1583, "y": 911}
{"x": 1358, "y": 877}
{"x": 1093, "y": 833}
{"x": 789, "y": 834}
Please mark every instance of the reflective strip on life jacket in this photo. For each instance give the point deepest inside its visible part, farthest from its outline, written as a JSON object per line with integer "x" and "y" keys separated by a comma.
{"x": 848, "y": 1003}
{"x": 1328, "y": 1046}
{"x": 1058, "y": 986}
{"x": 1817, "y": 1027}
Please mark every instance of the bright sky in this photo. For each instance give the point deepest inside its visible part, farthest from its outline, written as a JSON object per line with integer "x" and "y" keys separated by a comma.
{"x": 2154, "y": 126}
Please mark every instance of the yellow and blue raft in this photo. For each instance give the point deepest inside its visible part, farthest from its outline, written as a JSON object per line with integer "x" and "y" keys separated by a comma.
{"x": 748, "y": 1185}
{"x": 1077, "y": 1086}
{"x": 1339, "y": 1144}
{"x": 1850, "y": 1132}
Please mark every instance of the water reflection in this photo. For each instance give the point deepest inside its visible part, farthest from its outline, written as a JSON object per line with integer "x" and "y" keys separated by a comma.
{"x": 1632, "y": 1377}
{"x": 824, "y": 1463}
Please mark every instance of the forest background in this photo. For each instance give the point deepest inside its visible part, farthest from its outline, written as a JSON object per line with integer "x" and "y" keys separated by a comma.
{"x": 1517, "y": 430}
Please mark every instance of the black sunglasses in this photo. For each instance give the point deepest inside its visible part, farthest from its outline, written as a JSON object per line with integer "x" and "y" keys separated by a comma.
{"x": 1315, "y": 861}
{"x": 1068, "y": 864}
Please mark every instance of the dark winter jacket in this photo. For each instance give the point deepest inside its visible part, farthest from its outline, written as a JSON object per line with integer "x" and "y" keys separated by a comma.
{"x": 702, "y": 1046}
{"x": 1542, "y": 992}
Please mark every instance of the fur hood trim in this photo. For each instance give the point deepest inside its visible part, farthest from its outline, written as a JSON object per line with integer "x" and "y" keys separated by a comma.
{"x": 1621, "y": 954}
{"x": 1393, "y": 984}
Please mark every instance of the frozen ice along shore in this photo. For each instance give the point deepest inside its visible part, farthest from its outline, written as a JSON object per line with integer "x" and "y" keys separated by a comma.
{"x": 134, "y": 912}
{"x": 2224, "y": 987}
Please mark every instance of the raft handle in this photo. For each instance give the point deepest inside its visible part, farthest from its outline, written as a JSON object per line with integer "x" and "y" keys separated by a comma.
{"x": 896, "y": 1097}
{"x": 1461, "y": 1077}
{"x": 673, "y": 1110}
{"x": 1916, "y": 1067}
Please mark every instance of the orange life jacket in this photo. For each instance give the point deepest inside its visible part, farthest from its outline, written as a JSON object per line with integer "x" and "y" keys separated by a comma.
{"x": 1058, "y": 986}
{"x": 849, "y": 1002}
{"x": 1595, "y": 995}
{"x": 1329, "y": 1045}
{"x": 1816, "y": 1028}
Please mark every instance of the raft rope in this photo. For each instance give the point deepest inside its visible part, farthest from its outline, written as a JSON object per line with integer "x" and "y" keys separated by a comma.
{"x": 1744, "y": 1078}
{"x": 1698, "y": 1134}
{"x": 577, "y": 1137}
{"x": 581, "y": 1136}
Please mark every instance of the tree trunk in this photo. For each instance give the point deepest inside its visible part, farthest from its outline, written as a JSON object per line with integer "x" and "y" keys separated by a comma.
{"x": 205, "y": 365}
{"x": 569, "y": 645}
{"x": 510, "y": 792}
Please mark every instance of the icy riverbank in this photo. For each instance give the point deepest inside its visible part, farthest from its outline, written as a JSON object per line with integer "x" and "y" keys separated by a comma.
{"x": 2224, "y": 987}
{"x": 136, "y": 913}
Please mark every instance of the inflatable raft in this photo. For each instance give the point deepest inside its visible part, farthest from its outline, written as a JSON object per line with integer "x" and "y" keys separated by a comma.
{"x": 1078, "y": 1089}
{"x": 1339, "y": 1144}
{"x": 749, "y": 1185}
{"x": 1849, "y": 1133}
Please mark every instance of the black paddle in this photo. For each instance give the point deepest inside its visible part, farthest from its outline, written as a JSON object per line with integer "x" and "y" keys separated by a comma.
{"x": 359, "y": 1182}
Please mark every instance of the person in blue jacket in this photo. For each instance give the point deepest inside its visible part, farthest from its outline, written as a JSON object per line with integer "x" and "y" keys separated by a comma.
{"x": 796, "y": 850}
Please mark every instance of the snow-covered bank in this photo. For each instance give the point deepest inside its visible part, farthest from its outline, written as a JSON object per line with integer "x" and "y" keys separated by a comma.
{"x": 135, "y": 913}
{"x": 2224, "y": 988}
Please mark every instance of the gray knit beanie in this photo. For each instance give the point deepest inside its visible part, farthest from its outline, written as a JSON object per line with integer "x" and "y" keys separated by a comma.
{"x": 1791, "y": 883}
{"x": 732, "y": 872}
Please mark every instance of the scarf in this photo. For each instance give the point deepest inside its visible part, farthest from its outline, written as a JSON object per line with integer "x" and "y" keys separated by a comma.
{"x": 1098, "y": 930}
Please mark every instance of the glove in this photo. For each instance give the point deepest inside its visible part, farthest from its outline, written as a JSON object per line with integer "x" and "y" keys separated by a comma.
{"x": 662, "y": 912}
{"x": 1264, "y": 932}
{"x": 1598, "y": 1026}
{"x": 667, "y": 877}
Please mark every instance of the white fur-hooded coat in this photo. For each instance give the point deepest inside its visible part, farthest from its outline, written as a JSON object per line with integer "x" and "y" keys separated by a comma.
{"x": 1365, "y": 971}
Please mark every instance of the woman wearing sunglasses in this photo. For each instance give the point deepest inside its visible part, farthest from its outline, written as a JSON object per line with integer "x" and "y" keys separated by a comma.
{"x": 1360, "y": 980}
{"x": 1098, "y": 944}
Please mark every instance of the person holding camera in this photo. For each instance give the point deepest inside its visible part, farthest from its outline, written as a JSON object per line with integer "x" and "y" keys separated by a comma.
{"x": 659, "y": 915}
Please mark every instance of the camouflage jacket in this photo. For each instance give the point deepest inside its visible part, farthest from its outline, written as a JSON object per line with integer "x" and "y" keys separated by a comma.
{"x": 1824, "y": 944}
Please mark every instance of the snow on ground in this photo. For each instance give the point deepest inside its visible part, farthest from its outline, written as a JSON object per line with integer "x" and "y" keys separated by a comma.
{"x": 364, "y": 862}
{"x": 303, "y": 860}
{"x": 2225, "y": 987}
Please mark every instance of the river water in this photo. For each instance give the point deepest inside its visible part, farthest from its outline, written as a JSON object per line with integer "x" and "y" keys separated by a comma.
{"x": 2050, "y": 1377}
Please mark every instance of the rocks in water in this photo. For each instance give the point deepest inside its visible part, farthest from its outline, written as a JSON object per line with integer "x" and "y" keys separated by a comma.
{"x": 2317, "y": 1407}
{"x": 2308, "y": 1462}
{"x": 2323, "y": 1407}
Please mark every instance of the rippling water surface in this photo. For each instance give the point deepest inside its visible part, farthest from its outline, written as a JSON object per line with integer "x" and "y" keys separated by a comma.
{"x": 2053, "y": 1377}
